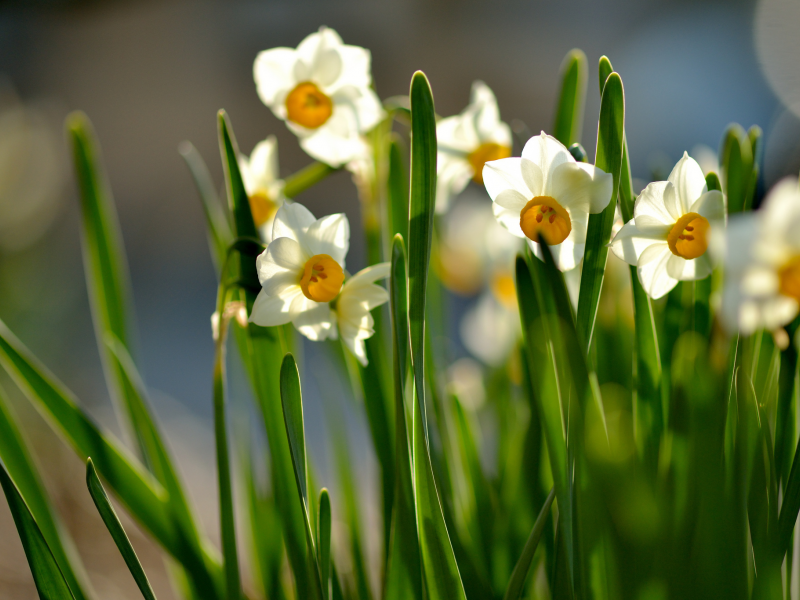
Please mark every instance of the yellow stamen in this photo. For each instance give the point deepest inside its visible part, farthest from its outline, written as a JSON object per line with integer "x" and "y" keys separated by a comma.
{"x": 789, "y": 278}
{"x": 544, "y": 216}
{"x": 504, "y": 289}
{"x": 308, "y": 106}
{"x": 483, "y": 153}
{"x": 322, "y": 278}
{"x": 262, "y": 207}
{"x": 688, "y": 237}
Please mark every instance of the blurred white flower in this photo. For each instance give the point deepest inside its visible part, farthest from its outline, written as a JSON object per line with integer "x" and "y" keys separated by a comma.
{"x": 667, "y": 239}
{"x": 762, "y": 263}
{"x": 706, "y": 158}
{"x": 351, "y": 310}
{"x": 301, "y": 270}
{"x": 322, "y": 90}
{"x": 466, "y": 142}
{"x": 262, "y": 184}
{"x": 547, "y": 192}
{"x": 491, "y": 328}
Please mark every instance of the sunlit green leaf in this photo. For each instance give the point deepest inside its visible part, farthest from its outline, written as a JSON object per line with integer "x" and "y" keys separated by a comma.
{"x": 736, "y": 163}
{"x": 298, "y": 182}
{"x": 569, "y": 110}
{"x": 518, "y": 576}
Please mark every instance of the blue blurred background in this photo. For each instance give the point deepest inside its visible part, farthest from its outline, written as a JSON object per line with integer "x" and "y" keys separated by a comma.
{"x": 152, "y": 74}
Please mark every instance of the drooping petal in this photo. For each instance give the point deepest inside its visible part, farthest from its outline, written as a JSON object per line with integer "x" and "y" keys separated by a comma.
{"x": 273, "y": 71}
{"x": 689, "y": 270}
{"x": 291, "y": 221}
{"x": 650, "y": 212}
{"x": 630, "y": 243}
{"x": 507, "y": 174}
{"x": 269, "y": 311}
{"x": 316, "y": 324}
{"x": 547, "y": 153}
{"x": 329, "y": 235}
{"x": 652, "y": 270}
{"x": 690, "y": 184}
{"x": 581, "y": 186}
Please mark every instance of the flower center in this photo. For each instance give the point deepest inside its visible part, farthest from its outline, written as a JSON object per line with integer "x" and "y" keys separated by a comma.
{"x": 483, "y": 153}
{"x": 262, "y": 207}
{"x": 322, "y": 278}
{"x": 504, "y": 289}
{"x": 544, "y": 216}
{"x": 688, "y": 237}
{"x": 306, "y": 105}
{"x": 789, "y": 278}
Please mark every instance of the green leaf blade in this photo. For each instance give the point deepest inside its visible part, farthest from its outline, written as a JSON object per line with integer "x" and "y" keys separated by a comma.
{"x": 324, "y": 540}
{"x": 569, "y": 110}
{"x": 114, "y": 526}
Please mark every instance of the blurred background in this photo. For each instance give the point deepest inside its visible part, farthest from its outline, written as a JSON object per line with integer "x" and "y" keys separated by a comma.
{"x": 152, "y": 74}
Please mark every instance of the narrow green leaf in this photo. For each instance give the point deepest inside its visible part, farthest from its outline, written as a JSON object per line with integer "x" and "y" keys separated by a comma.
{"x": 423, "y": 196}
{"x": 736, "y": 163}
{"x": 324, "y": 541}
{"x": 569, "y": 110}
{"x": 397, "y": 190}
{"x": 218, "y": 228}
{"x": 520, "y": 573}
{"x": 442, "y": 578}
{"x": 610, "y": 140}
{"x": 292, "y": 403}
{"x": 22, "y": 468}
{"x": 227, "y": 519}
{"x": 49, "y": 580}
{"x": 143, "y": 496}
{"x": 306, "y": 177}
{"x": 604, "y": 70}
{"x": 403, "y": 574}
{"x": 107, "y": 277}
{"x": 110, "y": 518}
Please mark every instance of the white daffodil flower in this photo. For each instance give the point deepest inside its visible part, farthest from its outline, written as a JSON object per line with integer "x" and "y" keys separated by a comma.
{"x": 547, "y": 193}
{"x": 466, "y": 142}
{"x": 667, "y": 239}
{"x": 322, "y": 90}
{"x": 351, "y": 310}
{"x": 301, "y": 271}
{"x": 262, "y": 184}
{"x": 762, "y": 263}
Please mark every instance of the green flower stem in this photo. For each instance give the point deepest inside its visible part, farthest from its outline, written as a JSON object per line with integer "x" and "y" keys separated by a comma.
{"x": 305, "y": 178}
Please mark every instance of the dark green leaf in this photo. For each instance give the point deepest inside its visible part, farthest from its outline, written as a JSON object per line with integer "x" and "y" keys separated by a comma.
{"x": 610, "y": 141}
{"x": 736, "y": 164}
{"x": 324, "y": 540}
{"x": 523, "y": 565}
{"x": 110, "y": 518}
{"x": 569, "y": 111}
{"x": 397, "y": 189}
{"x": 49, "y": 580}
{"x": 423, "y": 196}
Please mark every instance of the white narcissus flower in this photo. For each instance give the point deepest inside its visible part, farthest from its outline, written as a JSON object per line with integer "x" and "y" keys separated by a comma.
{"x": 547, "y": 193}
{"x": 302, "y": 278}
{"x": 466, "y": 142}
{"x": 301, "y": 270}
{"x": 667, "y": 239}
{"x": 762, "y": 263}
{"x": 322, "y": 90}
{"x": 262, "y": 184}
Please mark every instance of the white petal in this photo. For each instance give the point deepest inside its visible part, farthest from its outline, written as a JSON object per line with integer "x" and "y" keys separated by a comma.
{"x": 547, "y": 153}
{"x": 363, "y": 103}
{"x": 507, "y": 174}
{"x": 456, "y": 135}
{"x": 652, "y": 270}
{"x": 318, "y": 59}
{"x": 630, "y": 243}
{"x": 356, "y": 67}
{"x": 338, "y": 141}
{"x": 291, "y": 220}
{"x": 710, "y": 205}
{"x": 264, "y": 162}
{"x": 329, "y": 235}
{"x": 453, "y": 175}
{"x": 508, "y": 218}
{"x": 316, "y": 324}
{"x": 650, "y": 212}
{"x": 269, "y": 311}
{"x": 281, "y": 265}
{"x": 273, "y": 71}
{"x": 690, "y": 184}
{"x": 780, "y": 211}
{"x": 489, "y": 330}
{"x": 567, "y": 255}
{"x": 581, "y": 186}
{"x": 369, "y": 275}
{"x": 511, "y": 200}
{"x": 689, "y": 270}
